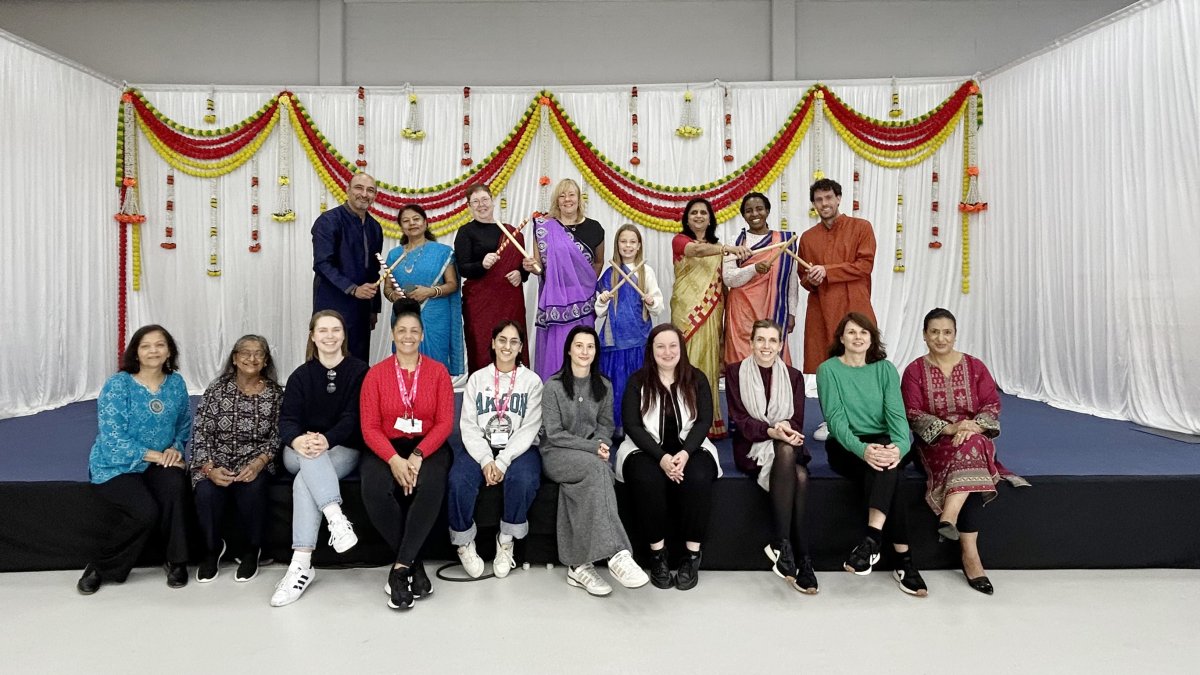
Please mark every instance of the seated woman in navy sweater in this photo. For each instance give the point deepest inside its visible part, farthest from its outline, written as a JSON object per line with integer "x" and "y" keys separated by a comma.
{"x": 407, "y": 409}
{"x": 869, "y": 441}
{"x": 136, "y": 464}
{"x": 318, "y": 423}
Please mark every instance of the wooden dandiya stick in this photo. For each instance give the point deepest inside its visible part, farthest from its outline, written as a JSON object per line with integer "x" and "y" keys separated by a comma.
{"x": 803, "y": 263}
{"x": 626, "y": 277}
{"x": 512, "y": 238}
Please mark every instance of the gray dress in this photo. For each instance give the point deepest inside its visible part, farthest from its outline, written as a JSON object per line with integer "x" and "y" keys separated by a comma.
{"x": 589, "y": 528}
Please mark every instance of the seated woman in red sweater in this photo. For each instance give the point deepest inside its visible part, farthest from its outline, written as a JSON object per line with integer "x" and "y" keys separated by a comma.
{"x": 407, "y": 412}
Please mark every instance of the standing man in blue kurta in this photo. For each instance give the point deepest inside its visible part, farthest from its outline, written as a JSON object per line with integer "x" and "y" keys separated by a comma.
{"x": 345, "y": 242}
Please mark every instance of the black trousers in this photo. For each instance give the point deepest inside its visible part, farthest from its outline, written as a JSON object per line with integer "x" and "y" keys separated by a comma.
{"x": 142, "y": 503}
{"x": 880, "y": 488}
{"x": 653, "y": 492}
{"x": 250, "y": 500}
{"x": 405, "y": 521}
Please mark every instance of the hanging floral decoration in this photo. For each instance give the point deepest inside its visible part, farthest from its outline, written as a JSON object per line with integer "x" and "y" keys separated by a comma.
{"x": 361, "y": 129}
{"x": 687, "y": 126}
{"x": 856, "y": 187}
{"x": 214, "y": 266}
{"x": 728, "y": 100}
{"x": 899, "y": 265}
{"x": 783, "y": 199}
{"x": 544, "y": 153}
{"x": 466, "y": 132}
{"x": 169, "y": 222}
{"x": 210, "y": 107}
{"x": 895, "y": 112}
{"x": 284, "y": 213}
{"x": 414, "y": 131}
{"x": 633, "y": 124}
{"x": 130, "y": 216}
{"x": 971, "y": 201}
{"x": 817, "y": 148}
{"x": 934, "y": 207}
{"x": 255, "y": 244}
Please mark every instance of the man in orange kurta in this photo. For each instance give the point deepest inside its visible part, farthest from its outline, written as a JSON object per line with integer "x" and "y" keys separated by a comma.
{"x": 841, "y": 250}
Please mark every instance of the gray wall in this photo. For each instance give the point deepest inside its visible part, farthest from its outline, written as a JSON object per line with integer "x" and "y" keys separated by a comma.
{"x": 382, "y": 42}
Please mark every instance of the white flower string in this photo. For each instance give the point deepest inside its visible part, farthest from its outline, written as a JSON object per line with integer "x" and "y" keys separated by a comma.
{"x": 283, "y": 157}
{"x": 895, "y": 112}
{"x": 214, "y": 267}
{"x": 783, "y": 198}
{"x": 935, "y": 211}
{"x": 210, "y": 107}
{"x": 544, "y": 141}
{"x": 361, "y": 130}
{"x": 255, "y": 245}
{"x": 728, "y": 101}
{"x": 633, "y": 127}
{"x": 818, "y": 143}
{"x": 414, "y": 131}
{"x": 466, "y": 128}
{"x": 131, "y": 209}
{"x": 687, "y": 125}
{"x": 856, "y": 189}
{"x": 899, "y": 266}
{"x": 169, "y": 221}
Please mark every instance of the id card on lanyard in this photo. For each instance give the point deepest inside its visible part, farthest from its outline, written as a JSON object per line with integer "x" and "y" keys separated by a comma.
{"x": 499, "y": 428}
{"x": 408, "y": 424}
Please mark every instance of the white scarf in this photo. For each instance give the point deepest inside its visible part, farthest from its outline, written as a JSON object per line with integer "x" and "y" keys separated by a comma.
{"x": 780, "y": 407}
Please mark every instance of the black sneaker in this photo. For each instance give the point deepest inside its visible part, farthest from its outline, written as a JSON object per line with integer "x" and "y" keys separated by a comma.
{"x": 247, "y": 566}
{"x": 660, "y": 569}
{"x": 210, "y": 567}
{"x": 400, "y": 587}
{"x": 780, "y": 553}
{"x": 909, "y": 579}
{"x": 689, "y": 571}
{"x": 89, "y": 581}
{"x": 863, "y": 557}
{"x": 806, "y": 578}
{"x": 176, "y": 574}
{"x": 422, "y": 587}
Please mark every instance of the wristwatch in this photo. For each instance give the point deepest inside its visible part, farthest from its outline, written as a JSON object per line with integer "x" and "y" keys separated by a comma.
{"x": 417, "y": 453}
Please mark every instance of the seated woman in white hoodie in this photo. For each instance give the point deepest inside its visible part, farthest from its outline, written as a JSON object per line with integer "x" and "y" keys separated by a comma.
{"x": 499, "y": 422}
{"x": 666, "y": 454}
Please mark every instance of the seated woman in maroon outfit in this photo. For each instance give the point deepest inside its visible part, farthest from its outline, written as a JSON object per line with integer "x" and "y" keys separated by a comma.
{"x": 954, "y": 410}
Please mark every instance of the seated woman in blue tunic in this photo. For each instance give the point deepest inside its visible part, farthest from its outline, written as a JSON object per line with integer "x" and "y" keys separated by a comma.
{"x": 136, "y": 464}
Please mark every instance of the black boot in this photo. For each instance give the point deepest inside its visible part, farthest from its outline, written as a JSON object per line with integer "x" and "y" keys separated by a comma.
{"x": 689, "y": 571}
{"x": 660, "y": 569}
{"x": 90, "y": 581}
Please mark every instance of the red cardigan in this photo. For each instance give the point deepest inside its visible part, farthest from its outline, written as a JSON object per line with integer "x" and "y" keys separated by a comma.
{"x": 380, "y": 404}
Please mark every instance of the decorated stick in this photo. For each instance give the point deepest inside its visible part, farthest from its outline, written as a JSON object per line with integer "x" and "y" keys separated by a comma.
{"x": 385, "y": 272}
{"x": 512, "y": 238}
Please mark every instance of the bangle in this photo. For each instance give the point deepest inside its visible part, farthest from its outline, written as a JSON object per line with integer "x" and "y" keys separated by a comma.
{"x": 437, "y": 291}
{"x": 205, "y": 470}
{"x": 723, "y": 251}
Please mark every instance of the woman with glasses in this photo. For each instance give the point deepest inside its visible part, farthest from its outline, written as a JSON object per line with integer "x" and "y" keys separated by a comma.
{"x": 318, "y": 423}
{"x": 491, "y": 269}
{"x": 234, "y": 440}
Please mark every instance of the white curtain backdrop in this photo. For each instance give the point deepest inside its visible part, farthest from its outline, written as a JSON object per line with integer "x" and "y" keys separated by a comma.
{"x": 270, "y": 292}
{"x": 1086, "y": 261}
{"x": 58, "y": 241}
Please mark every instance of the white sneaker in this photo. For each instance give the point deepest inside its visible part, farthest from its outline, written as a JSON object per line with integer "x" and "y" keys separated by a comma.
{"x": 821, "y": 433}
{"x": 587, "y": 578}
{"x": 626, "y": 571}
{"x": 292, "y": 585}
{"x": 504, "y": 562}
{"x": 471, "y": 561}
{"x": 341, "y": 535}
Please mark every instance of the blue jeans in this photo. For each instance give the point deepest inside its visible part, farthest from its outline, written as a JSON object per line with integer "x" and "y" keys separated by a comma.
{"x": 315, "y": 487}
{"x": 521, "y": 483}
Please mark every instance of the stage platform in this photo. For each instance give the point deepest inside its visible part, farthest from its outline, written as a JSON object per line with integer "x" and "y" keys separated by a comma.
{"x": 1104, "y": 495}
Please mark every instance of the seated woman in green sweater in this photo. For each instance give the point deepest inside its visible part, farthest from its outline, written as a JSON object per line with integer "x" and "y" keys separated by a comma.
{"x": 869, "y": 441}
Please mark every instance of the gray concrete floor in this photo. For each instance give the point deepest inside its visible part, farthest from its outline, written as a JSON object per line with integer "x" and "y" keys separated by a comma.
{"x": 1061, "y": 621}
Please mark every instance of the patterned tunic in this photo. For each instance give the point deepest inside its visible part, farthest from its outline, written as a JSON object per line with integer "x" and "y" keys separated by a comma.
{"x": 232, "y": 428}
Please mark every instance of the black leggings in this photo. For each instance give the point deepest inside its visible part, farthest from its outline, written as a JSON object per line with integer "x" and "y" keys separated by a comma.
{"x": 651, "y": 489}
{"x": 882, "y": 489}
{"x": 971, "y": 515}
{"x": 387, "y": 504}
{"x": 153, "y": 500}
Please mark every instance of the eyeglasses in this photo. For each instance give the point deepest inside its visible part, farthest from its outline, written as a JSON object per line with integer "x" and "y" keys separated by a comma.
{"x": 330, "y": 375}
{"x": 514, "y": 343}
{"x": 480, "y": 202}
{"x": 257, "y": 354}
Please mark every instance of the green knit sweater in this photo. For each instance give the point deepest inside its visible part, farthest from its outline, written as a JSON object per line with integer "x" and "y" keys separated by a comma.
{"x": 862, "y": 401}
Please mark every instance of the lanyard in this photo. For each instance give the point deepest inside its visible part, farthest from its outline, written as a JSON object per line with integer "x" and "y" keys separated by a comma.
{"x": 502, "y": 402}
{"x": 405, "y": 396}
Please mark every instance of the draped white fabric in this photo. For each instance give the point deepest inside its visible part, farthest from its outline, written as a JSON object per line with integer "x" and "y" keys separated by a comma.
{"x": 1086, "y": 261}
{"x": 270, "y": 292}
{"x": 58, "y": 242}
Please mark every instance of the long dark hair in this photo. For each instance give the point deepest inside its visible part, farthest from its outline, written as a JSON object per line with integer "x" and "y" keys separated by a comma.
{"x": 875, "y": 352}
{"x": 685, "y": 374}
{"x": 564, "y": 374}
{"x": 268, "y": 369}
{"x": 710, "y": 234}
{"x": 129, "y": 358}
{"x": 520, "y": 334}
{"x": 415, "y": 208}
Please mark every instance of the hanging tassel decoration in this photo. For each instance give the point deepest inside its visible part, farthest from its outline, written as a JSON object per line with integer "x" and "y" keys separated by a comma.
{"x": 728, "y": 100}
{"x": 415, "y": 131}
{"x": 361, "y": 130}
{"x": 214, "y": 266}
{"x": 284, "y": 213}
{"x": 255, "y": 245}
{"x": 169, "y": 226}
{"x": 466, "y": 131}
{"x": 895, "y": 112}
{"x": 899, "y": 266}
{"x": 818, "y": 143}
{"x": 935, "y": 212}
{"x": 633, "y": 123}
{"x": 210, "y": 107}
{"x": 687, "y": 125}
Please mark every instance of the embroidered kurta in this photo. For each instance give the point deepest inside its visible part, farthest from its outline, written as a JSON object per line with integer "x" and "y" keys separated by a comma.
{"x": 232, "y": 428}
{"x": 847, "y": 250}
{"x": 932, "y": 402}
{"x": 132, "y": 420}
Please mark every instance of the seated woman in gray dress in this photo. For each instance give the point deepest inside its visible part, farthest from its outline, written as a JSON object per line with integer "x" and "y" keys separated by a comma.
{"x": 577, "y": 427}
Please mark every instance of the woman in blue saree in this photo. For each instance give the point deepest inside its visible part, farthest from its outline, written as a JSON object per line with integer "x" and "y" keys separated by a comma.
{"x": 424, "y": 271}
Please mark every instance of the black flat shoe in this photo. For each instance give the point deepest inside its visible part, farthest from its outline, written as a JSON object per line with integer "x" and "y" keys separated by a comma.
{"x": 947, "y": 530}
{"x": 90, "y": 581}
{"x": 981, "y": 584}
{"x": 177, "y": 574}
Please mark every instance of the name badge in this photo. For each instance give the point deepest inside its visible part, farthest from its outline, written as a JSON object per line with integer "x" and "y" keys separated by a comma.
{"x": 498, "y": 439}
{"x": 408, "y": 425}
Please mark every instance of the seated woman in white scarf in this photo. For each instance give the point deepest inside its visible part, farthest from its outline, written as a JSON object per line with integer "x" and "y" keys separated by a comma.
{"x": 766, "y": 412}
